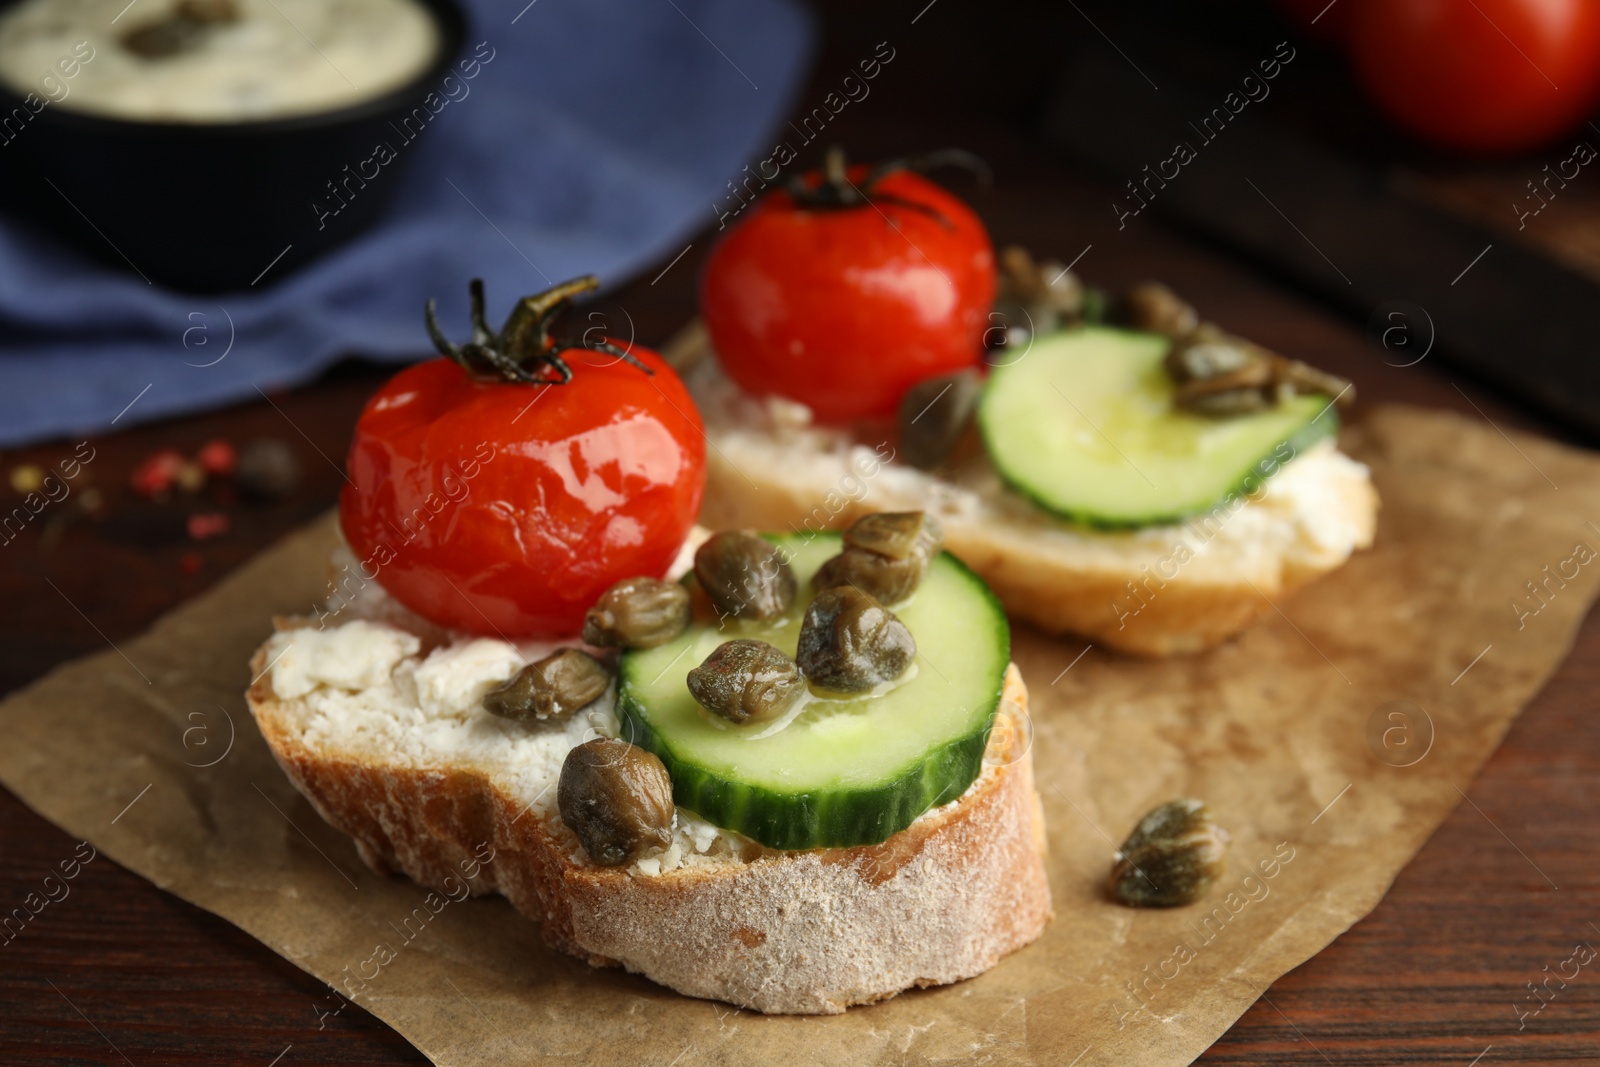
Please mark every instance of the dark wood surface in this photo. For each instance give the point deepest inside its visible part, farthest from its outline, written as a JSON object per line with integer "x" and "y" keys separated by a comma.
{"x": 120, "y": 972}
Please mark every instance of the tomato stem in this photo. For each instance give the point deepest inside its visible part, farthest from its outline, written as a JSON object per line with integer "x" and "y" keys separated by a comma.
{"x": 525, "y": 340}
{"x": 835, "y": 191}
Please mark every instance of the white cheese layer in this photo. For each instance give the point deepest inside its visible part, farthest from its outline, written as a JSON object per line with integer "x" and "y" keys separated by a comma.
{"x": 361, "y": 655}
{"x": 366, "y": 687}
{"x": 363, "y": 684}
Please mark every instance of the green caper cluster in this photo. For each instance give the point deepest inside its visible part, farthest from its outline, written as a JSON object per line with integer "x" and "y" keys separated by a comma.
{"x": 617, "y": 797}
{"x": 885, "y": 555}
{"x": 849, "y": 641}
{"x": 1217, "y": 373}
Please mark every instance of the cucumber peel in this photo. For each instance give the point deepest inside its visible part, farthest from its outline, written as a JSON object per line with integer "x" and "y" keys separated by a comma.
{"x": 1084, "y": 425}
{"x": 842, "y": 771}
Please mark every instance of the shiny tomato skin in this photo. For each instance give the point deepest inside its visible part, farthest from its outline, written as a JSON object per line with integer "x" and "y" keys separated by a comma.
{"x": 846, "y": 309}
{"x": 507, "y": 510}
{"x": 1487, "y": 77}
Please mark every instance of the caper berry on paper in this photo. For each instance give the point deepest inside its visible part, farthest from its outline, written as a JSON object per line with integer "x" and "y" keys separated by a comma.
{"x": 550, "y": 689}
{"x": 617, "y": 798}
{"x": 745, "y": 576}
{"x": 637, "y": 613}
{"x": 743, "y": 680}
{"x": 850, "y": 643}
{"x": 1172, "y": 857}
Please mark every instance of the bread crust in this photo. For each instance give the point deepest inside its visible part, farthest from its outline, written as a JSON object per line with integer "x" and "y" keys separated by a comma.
{"x": 785, "y": 932}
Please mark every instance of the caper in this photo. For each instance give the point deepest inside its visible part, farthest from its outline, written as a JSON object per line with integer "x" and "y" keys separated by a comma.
{"x": 897, "y": 534}
{"x": 637, "y": 613}
{"x": 1251, "y": 387}
{"x": 1033, "y": 299}
{"x": 617, "y": 798}
{"x": 850, "y": 643}
{"x": 1172, "y": 857}
{"x": 1204, "y": 360}
{"x": 1219, "y": 374}
{"x": 886, "y": 580}
{"x": 1223, "y": 403}
{"x": 743, "y": 680}
{"x": 934, "y": 414}
{"x": 1051, "y": 293}
{"x": 1303, "y": 378}
{"x": 745, "y": 576}
{"x": 1152, "y": 306}
{"x": 886, "y": 555}
{"x": 1019, "y": 276}
{"x": 552, "y": 688}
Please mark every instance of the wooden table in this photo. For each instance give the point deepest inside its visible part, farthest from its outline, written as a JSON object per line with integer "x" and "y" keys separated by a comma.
{"x": 121, "y": 972}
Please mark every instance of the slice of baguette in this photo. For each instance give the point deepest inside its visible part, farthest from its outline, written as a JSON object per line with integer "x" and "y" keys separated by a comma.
{"x": 1154, "y": 591}
{"x": 779, "y": 932}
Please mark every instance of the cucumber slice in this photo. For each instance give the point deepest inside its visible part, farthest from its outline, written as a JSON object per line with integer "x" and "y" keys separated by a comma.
{"x": 849, "y": 771}
{"x": 1084, "y": 426}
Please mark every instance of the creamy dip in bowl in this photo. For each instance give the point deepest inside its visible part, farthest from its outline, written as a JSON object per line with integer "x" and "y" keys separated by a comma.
{"x": 216, "y": 145}
{"x": 219, "y": 60}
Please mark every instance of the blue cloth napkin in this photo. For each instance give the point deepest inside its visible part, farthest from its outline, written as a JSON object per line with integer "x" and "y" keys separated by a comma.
{"x": 596, "y": 140}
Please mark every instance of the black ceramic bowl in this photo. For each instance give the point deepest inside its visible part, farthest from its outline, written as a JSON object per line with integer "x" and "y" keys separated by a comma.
{"x": 209, "y": 207}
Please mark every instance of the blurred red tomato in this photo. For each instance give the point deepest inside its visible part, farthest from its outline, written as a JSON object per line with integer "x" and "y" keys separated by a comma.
{"x": 1480, "y": 76}
{"x": 844, "y": 308}
{"x": 1325, "y": 20}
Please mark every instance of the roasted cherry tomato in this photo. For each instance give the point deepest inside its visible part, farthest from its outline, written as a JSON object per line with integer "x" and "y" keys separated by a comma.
{"x": 502, "y": 490}
{"x": 848, "y": 287}
{"x": 1485, "y": 76}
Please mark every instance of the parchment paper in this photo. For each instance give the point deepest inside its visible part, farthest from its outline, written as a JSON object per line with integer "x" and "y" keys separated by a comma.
{"x": 1289, "y": 732}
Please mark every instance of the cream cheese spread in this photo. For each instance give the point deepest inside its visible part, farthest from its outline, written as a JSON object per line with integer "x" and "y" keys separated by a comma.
{"x": 367, "y": 685}
{"x": 258, "y": 59}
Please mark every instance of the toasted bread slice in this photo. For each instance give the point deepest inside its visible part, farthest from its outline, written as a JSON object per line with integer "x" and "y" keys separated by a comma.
{"x": 716, "y": 915}
{"x": 1153, "y": 591}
